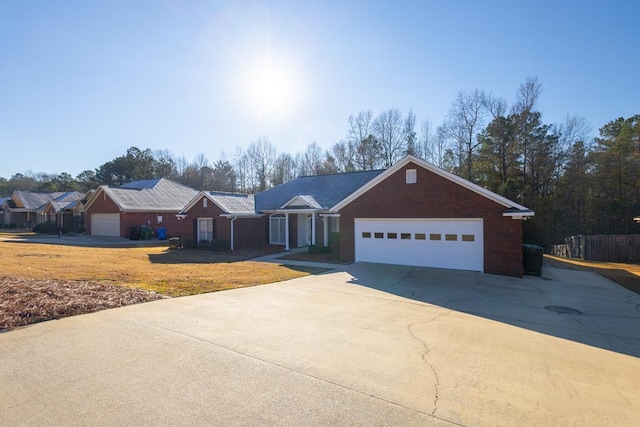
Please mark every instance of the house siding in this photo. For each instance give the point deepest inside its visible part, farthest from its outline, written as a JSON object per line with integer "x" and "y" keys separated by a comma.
{"x": 433, "y": 196}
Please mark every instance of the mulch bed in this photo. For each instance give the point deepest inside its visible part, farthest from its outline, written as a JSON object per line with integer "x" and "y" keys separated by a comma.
{"x": 27, "y": 301}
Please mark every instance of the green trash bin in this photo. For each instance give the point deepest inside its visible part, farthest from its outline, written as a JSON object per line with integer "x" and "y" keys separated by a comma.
{"x": 146, "y": 233}
{"x": 532, "y": 259}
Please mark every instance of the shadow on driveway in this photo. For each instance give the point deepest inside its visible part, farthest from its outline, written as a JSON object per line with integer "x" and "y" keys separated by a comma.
{"x": 573, "y": 305}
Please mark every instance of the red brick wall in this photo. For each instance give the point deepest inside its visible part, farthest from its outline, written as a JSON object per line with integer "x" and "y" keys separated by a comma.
{"x": 436, "y": 197}
{"x": 102, "y": 205}
{"x": 248, "y": 232}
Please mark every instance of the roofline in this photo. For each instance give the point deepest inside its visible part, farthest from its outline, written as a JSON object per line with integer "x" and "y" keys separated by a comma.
{"x": 519, "y": 214}
{"x": 432, "y": 168}
{"x": 243, "y": 215}
{"x": 208, "y": 196}
{"x": 94, "y": 196}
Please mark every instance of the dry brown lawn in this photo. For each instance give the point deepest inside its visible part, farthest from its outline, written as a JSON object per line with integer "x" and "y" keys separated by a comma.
{"x": 627, "y": 275}
{"x": 68, "y": 280}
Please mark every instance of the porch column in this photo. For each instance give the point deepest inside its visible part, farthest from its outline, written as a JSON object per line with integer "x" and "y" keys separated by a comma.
{"x": 286, "y": 231}
{"x": 325, "y": 228}
{"x": 313, "y": 228}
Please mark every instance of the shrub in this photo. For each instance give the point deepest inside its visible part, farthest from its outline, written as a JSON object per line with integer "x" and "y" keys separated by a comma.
{"x": 45, "y": 228}
{"x": 219, "y": 245}
{"x": 315, "y": 249}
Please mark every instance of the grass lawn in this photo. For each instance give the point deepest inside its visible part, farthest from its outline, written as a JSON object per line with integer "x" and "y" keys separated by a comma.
{"x": 47, "y": 281}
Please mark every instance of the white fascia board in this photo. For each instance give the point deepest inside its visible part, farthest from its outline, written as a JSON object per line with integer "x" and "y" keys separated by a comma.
{"x": 231, "y": 215}
{"x": 438, "y": 171}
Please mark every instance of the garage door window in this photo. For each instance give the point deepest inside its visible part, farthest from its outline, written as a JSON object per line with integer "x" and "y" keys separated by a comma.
{"x": 405, "y": 236}
{"x": 421, "y": 236}
{"x": 392, "y": 235}
{"x": 468, "y": 238}
{"x": 379, "y": 235}
{"x": 435, "y": 237}
{"x": 366, "y": 235}
{"x": 451, "y": 237}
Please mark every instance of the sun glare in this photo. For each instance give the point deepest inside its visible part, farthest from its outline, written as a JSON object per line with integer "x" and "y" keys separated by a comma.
{"x": 271, "y": 89}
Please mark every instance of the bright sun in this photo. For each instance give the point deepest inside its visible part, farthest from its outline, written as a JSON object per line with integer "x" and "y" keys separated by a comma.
{"x": 271, "y": 89}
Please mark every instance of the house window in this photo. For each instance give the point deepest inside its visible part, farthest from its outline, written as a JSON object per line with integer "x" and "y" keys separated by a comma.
{"x": 366, "y": 235}
{"x": 412, "y": 176}
{"x": 435, "y": 237}
{"x": 405, "y": 236}
{"x": 392, "y": 235}
{"x": 335, "y": 224}
{"x": 204, "y": 202}
{"x": 451, "y": 237}
{"x": 277, "y": 230}
{"x": 421, "y": 236}
{"x": 205, "y": 229}
{"x": 159, "y": 219}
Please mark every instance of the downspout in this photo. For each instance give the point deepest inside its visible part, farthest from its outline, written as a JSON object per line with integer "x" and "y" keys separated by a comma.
{"x": 232, "y": 219}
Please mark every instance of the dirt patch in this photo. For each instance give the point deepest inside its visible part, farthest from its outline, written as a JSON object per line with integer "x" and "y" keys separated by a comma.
{"x": 27, "y": 301}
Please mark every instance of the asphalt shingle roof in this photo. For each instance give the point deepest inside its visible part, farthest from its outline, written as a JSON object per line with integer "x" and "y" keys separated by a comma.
{"x": 34, "y": 200}
{"x": 152, "y": 195}
{"x": 234, "y": 203}
{"x": 326, "y": 190}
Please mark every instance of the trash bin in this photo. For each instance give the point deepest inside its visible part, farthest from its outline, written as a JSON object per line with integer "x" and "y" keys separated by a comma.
{"x": 146, "y": 233}
{"x": 134, "y": 233}
{"x": 532, "y": 259}
{"x": 161, "y": 233}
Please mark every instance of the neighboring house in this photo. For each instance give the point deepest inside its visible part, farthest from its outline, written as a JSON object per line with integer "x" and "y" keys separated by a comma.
{"x": 2, "y": 202}
{"x": 230, "y": 217}
{"x": 413, "y": 213}
{"x": 66, "y": 214}
{"x": 113, "y": 211}
{"x": 27, "y": 208}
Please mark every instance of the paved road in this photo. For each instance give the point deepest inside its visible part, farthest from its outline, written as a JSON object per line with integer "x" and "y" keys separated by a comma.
{"x": 370, "y": 345}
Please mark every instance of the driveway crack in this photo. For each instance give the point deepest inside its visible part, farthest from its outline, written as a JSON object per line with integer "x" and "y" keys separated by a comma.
{"x": 425, "y": 359}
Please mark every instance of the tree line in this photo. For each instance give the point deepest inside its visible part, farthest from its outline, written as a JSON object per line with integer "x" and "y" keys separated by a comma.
{"x": 576, "y": 184}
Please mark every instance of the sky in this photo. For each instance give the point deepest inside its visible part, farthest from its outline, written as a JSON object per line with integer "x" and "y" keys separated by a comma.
{"x": 81, "y": 81}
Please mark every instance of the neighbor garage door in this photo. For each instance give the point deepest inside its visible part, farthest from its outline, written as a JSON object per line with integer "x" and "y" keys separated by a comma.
{"x": 105, "y": 224}
{"x": 440, "y": 243}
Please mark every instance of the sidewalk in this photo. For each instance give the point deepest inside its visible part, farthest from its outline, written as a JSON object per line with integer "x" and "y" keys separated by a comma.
{"x": 275, "y": 258}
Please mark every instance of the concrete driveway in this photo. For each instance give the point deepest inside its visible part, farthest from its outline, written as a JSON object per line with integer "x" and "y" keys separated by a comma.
{"x": 369, "y": 345}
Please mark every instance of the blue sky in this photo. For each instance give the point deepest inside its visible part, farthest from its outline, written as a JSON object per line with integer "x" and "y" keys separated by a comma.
{"x": 81, "y": 81}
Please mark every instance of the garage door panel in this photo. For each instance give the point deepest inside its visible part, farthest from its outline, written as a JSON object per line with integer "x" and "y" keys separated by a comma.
{"x": 446, "y": 243}
{"x": 105, "y": 224}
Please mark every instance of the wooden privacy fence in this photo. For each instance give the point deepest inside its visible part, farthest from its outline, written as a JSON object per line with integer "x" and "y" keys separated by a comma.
{"x": 614, "y": 248}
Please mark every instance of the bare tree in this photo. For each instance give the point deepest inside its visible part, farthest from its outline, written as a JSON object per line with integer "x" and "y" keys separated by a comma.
{"x": 463, "y": 124}
{"x": 361, "y": 136}
{"x": 410, "y": 137}
{"x": 344, "y": 154}
{"x": 389, "y": 132}
{"x": 285, "y": 169}
{"x": 262, "y": 156}
{"x": 312, "y": 159}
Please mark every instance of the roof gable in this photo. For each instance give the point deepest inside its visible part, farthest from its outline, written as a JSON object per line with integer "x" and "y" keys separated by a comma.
{"x": 36, "y": 200}
{"x": 512, "y": 207}
{"x": 323, "y": 191}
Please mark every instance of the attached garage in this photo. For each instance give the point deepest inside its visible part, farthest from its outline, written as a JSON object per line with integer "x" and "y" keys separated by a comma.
{"x": 105, "y": 224}
{"x": 442, "y": 243}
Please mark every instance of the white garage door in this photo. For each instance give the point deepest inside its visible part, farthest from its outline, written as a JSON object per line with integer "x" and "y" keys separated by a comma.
{"x": 105, "y": 224}
{"x": 440, "y": 243}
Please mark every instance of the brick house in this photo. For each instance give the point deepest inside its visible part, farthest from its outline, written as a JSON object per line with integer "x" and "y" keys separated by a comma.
{"x": 27, "y": 208}
{"x": 227, "y": 217}
{"x": 413, "y": 213}
{"x": 155, "y": 203}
